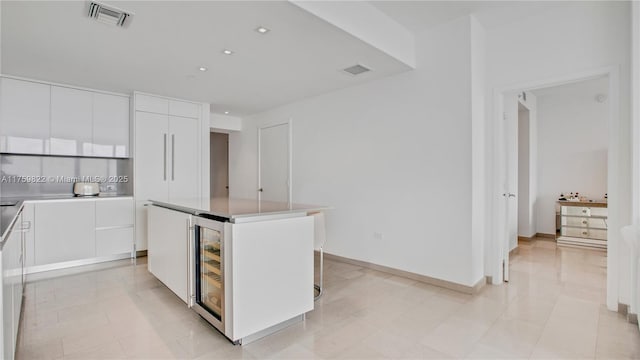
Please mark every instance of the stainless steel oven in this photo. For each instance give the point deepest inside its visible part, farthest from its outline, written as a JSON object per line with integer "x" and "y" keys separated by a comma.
{"x": 206, "y": 270}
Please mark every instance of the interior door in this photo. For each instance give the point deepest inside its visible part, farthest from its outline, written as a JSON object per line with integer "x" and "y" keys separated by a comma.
{"x": 219, "y": 147}
{"x": 184, "y": 172}
{"x": 274, "y": 159}
{"x": 510, "y": 125}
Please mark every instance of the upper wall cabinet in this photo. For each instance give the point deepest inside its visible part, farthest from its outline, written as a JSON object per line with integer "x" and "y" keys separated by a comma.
{"x": 37, "y": 118}
{"x": 71, "y": 121}
{"x": 24, "y": 116}
{"x": 110, "y": 125}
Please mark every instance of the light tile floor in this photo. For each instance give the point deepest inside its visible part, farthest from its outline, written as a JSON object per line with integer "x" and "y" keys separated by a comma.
{"x": 552, "y": 308}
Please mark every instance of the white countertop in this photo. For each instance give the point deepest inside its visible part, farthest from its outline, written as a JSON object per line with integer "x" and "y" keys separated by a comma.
{"x": 231, "y": 208}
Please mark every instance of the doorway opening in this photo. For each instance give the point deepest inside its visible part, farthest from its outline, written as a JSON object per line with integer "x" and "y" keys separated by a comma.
{"x": 219, "y": 166}
{"x": 557, "y": 161}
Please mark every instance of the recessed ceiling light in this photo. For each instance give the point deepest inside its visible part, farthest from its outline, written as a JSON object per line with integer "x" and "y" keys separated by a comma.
{"x": 226, "y": 113}
{"x": 227, "y": 52}
{"x": 262, "y": 30}
{"x": 202, "y": 68}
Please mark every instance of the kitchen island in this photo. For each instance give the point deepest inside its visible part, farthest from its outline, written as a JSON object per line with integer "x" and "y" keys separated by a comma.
{"x": 245, "y": 266}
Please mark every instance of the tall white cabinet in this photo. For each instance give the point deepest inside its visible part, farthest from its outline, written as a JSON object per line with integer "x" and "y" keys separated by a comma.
{"x": 167, "y": 155}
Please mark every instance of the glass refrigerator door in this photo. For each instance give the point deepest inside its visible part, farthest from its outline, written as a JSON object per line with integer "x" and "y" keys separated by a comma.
{"x": 209, "y": 277}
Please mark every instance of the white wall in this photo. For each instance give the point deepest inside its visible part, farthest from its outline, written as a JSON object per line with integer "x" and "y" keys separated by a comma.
{"x": 393, "y": 157}
{"x": 528, "y": 169}
{"x": 572, "y": 146}
{"x": 225, "y": 123}
{"x": 562, "y": 42}
{"x": 524, "y": 228}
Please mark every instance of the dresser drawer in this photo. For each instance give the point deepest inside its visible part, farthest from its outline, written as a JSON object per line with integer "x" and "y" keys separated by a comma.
{"x": 583, "y": 211}
{"x": 584, "y": 233}
{"x": 586, "y": 222}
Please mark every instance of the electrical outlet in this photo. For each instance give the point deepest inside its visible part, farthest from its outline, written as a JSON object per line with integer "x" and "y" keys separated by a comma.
{"x": 377, "y": 235}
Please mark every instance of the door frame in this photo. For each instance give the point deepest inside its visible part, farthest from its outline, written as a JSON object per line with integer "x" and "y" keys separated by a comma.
{"x": 499, "y": 244}
{"x": 289, "y": 123}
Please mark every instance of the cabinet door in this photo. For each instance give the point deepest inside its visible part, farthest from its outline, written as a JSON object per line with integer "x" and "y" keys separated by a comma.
{"x": 184, "y": 109}
{"x": 16, "y": 238}
{"x": 7, "y": 302}
{"x": 152, "y": 104}
{"x": 71, "y": 121}
{"x": 168, "y": 241}
{"x": 114, "y": 241}
{"x": 28, "y": 227}
{"x": 24, "y": 117}
{"x": 110, "y": 125}
{"x": 184, "y": 185}
{"x": 141, "y": 225}
{"x": 151, "y": 156}
{"x": 114, "y": 212}
{"x": 65, "y": 231}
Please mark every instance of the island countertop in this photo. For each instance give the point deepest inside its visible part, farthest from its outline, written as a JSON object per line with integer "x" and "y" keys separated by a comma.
{"x": 232, "y": 208}
{"x": 8, "y": 215}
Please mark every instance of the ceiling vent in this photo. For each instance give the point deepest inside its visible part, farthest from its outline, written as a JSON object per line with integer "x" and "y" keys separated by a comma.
{"x": 108, "y": 14}
{"x": 357, "y": 69}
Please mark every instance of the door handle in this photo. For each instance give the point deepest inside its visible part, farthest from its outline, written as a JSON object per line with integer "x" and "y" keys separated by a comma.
{"x": 173, "y": 157}
{"x": 191, "y": 296}
{"x": 260, "y": 190}
{"x": 164, "y": 154}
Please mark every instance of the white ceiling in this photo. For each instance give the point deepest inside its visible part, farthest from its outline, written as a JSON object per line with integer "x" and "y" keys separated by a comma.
{"x": 166, "y": 42}
{"x": 419, "y": 16}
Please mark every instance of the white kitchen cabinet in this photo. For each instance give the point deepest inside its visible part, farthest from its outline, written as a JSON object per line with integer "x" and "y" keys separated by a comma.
{"x": 151, "y": 156}
{"x": 91, "y": 230}
{"x": 110, "y": 125}
{"x": 24, "y": 116}
{"x": 167, "y": 153}
{"x": 41, "y": 118}
{"x": 28, "y": 223}
{"x": 116, "y": 212}
{"x": 184, "y": 181}
{"x": 71, "y": 121}
{"x": 114, "y": 226}
{"x": 168, "y": 248}
{"x": 65, "y": 231}
{"x": 114, "y": 241}
{"x": 152, "y": 104}
{"x": 12, "y": 288}
{"x": 184, "y": 109}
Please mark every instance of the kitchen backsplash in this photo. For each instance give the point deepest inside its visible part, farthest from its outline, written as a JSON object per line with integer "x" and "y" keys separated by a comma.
{"x": 22, "y": 175}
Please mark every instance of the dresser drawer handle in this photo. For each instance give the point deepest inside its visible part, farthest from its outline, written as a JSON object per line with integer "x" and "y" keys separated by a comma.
{"x": 584, "y": 222}
{"x": 584, "y": 211}
{"x": 584, "y": 233}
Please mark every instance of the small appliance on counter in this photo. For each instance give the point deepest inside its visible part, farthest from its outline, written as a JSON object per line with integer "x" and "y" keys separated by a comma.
{"x": 86, "y": 189}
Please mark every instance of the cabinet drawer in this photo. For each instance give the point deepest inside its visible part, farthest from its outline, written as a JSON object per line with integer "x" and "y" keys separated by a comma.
{"x": 114, "y": 212}
{"x": 584, "y": 233}
{"x": 152, "y": 104}
{"x": 114, "y": 241}
{"x": 583, "y": 211}
{"x": 586, "y": 222}
{"x": 184, "y": 109}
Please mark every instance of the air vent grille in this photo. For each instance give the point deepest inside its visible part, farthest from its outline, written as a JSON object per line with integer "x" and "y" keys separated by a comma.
{"x": 108, "y": 15}
{"x": 356, "y": 69}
